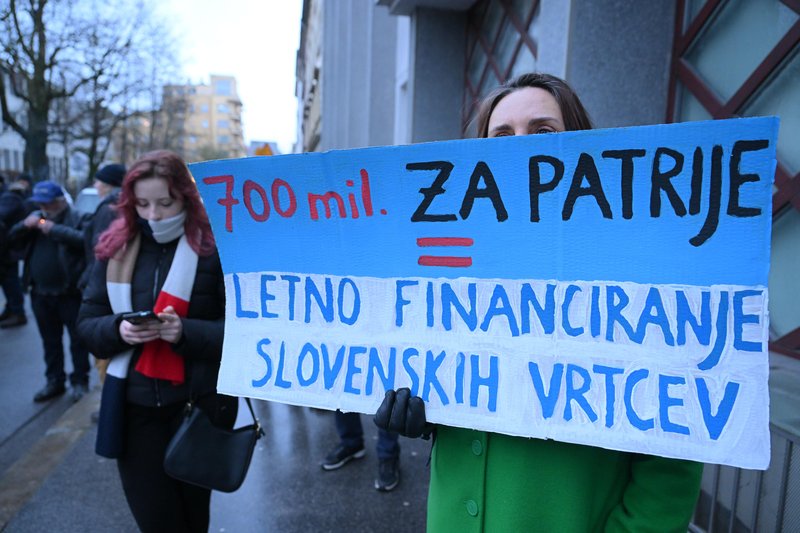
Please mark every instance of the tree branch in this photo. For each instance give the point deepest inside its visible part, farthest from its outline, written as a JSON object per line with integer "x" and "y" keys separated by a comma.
{"x": 8, "y": 118}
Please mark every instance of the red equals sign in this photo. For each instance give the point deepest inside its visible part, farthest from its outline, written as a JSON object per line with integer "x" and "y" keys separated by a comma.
{"x": 444, "y": 260}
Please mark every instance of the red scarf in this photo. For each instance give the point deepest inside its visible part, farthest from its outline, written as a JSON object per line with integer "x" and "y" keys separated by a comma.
{"x": 158, "y": 360}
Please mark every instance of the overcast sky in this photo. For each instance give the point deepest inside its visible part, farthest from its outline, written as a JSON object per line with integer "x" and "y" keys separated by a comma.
{"x": 254, "y": 40}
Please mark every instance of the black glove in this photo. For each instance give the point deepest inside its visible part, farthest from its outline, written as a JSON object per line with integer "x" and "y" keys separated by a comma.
{"x": 404, "y": 414}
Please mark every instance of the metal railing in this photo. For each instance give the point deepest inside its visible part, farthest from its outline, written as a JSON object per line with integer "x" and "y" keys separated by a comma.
{"x": 735, "y": 500}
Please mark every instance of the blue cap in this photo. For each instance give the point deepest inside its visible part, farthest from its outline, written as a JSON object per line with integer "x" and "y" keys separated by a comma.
{"x": 46, "y": 191}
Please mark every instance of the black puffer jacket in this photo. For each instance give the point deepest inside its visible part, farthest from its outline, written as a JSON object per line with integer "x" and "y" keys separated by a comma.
{"x": 102, "y": 218}
{"x": 203, "y": 327}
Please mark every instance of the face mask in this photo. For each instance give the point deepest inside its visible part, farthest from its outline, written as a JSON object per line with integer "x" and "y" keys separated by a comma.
{"x": 163, "y": 231}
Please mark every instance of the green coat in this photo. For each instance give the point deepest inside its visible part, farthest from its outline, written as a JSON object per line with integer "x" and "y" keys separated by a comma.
{"x": 496, "y": 483}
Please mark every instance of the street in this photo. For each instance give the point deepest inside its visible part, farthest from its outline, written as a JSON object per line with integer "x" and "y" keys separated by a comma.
{"x": 51, "y": 479}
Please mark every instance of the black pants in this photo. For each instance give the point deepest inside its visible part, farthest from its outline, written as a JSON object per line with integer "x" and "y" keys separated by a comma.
{"x": 52, "y": 314}
{"x": 157, "y": 501}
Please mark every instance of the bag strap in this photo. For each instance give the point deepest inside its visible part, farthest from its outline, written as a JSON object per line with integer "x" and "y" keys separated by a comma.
{"x": 259, "y": 429}
{"x": 252, "y": 413}
{"x": 191, "y": 401}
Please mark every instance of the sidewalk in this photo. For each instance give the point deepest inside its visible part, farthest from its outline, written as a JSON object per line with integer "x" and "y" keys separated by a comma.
{"x": 60, "y": 485}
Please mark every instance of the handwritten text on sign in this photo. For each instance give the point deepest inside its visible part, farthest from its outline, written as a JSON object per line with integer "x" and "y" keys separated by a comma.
{"x": 606, "y": 287}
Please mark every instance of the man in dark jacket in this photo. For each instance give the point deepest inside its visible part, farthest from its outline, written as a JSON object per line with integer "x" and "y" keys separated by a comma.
{"x": 107, "y": 181}
{"x": 12, "y": 210}
{"x": 54, "y": 261}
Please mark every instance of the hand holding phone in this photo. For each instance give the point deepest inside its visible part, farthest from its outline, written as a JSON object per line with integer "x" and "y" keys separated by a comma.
{"x": 141, "y": 317}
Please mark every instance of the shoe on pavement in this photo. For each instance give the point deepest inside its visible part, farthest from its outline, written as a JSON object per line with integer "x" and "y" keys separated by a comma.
{"x": 78, "y": 391}
{"x": 341, "y": 455}
{"x": 13, "y": 321}
{"x": 388, "y": 474}
{"x": 5, "y": 314}
{"x": 50, "y": 391}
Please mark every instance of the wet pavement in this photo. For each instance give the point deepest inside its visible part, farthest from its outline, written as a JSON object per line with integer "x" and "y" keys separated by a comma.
{"x": 285, "y": 490}
{"x": 51, "y": 479}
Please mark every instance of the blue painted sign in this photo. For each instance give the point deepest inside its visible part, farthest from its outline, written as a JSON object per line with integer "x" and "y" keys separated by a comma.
{"x": 604, "y": 287}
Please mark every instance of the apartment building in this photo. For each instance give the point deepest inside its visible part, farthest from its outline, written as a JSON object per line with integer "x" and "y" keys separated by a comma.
{"x": 210, "y": 119}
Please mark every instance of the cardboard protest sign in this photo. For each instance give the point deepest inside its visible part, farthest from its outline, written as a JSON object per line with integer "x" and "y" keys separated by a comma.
{"x": 605, "y": 287}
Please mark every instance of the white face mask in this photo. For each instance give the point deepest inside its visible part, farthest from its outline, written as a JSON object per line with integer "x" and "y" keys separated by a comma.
{"x": 168, "y": 229}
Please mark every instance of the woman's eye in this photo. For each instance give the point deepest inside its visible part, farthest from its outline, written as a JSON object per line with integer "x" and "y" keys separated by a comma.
{"x": 501, "y": 134}
{"x": 545, "y": 130}
{"x": 166, "y": 203}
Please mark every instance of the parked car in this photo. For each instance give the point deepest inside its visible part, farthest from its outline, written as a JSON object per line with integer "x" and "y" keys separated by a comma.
{"x": 87, "y": 200}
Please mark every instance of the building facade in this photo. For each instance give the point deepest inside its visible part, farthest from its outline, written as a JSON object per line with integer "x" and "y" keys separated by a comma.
{"x": 409, "y": 71}
{"x": 345, "y": 65}
{"x": 210, "y": 119}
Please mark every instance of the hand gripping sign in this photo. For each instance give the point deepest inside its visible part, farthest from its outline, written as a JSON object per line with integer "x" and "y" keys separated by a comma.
{"x": 604, "y": 287}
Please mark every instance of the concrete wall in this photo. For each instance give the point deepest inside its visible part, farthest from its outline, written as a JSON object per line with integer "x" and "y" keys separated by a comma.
{"x": 549, "y": 30}
{"x": 618, "y": 59}
{"x": 436, "y": 74}
{"x": 357, "y": 75}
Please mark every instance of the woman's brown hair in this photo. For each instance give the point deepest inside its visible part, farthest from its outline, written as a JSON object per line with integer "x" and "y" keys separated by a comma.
{"x": 572, "y": 110}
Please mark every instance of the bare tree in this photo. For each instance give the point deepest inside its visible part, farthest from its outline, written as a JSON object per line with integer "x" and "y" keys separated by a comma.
{"x": 38, "y": 55}
{"x": 82, "y": 68}
{"x": 155, "y": 117}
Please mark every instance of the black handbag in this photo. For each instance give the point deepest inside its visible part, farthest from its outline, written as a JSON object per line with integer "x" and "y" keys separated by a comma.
{"x": 203, "y": 454}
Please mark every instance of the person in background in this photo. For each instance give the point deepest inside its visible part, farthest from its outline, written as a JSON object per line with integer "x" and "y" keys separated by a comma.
{"x": 12, "y": 210}
{"x": 107, "y": 182}
{"x": 27, "y": 180}
{"x": 351, "y": 446}
{"x": 491, "y": 482}
{"x": 53, "y": 241}
{"x": 159, "y": 255}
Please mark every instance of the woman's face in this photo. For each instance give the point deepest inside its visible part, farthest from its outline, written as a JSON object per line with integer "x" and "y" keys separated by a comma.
{"x": 526, "y": 111}
{"x": 153, "y": 201}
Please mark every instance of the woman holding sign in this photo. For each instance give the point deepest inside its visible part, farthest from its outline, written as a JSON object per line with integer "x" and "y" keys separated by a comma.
{"x": 155, "y": 306}
{"x": 491, "y": 482}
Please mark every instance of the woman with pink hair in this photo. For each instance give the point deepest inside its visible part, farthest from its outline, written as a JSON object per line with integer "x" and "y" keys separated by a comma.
{"x": 158, "y": 255}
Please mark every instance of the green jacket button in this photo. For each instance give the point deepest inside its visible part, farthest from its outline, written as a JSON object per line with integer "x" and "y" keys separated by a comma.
{"x": 477, "y": 447}
{"x": 472, "y": 508}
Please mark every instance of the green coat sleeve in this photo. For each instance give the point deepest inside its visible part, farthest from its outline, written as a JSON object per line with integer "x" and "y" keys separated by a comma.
{"x": 660, "y": 496}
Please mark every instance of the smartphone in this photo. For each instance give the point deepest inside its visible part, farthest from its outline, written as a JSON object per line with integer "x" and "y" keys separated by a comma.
{"x": 141, "y": 317}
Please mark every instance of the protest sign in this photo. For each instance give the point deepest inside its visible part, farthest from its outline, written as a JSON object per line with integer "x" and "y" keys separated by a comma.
{"x": 604, "y": 287}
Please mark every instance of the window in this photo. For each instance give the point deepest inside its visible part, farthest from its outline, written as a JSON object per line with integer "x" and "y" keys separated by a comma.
{"x": 204, "y": 124}
{"x": 500, "y": 45}
{"x": 223, "y": 124}
{"x": 204, "y": 108}
{"x": 720, "y": 70}
{"x": 223, "y": 139}
{"x": 223, "y": 87}
{"x": 222, "y": 108}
